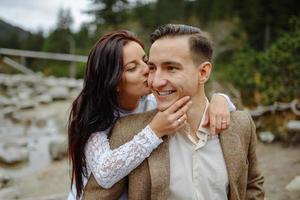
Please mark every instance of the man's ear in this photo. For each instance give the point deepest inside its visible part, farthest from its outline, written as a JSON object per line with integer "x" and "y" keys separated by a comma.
{"x": 204, "y": 71}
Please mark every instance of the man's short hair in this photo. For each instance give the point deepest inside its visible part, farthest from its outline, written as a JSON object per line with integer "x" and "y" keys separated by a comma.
{"x": 199, "y": 41}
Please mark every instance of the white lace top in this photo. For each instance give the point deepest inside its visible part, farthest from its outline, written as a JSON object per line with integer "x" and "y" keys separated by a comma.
{"x": 109, "y": 166}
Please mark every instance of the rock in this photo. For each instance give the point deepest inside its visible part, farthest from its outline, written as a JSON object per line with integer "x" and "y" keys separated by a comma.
{"x": 59, "y": 93}
{"x": 50, "y": 81}
{"x": 294, "y": 185}
{"x": 44, "y": 99}
{"x": 22, "y": 118}
{"x": 5, "y": 101}
{"x": 26, "y": 104}
{"x": 293, "y": 126}
{"x": 24, "y": 93}
{"x": 51, "y": 127}
{"x": 10, "y": 129}
{"x": 69, "y": 82}
{"x": 9, "y": 194}
{"x": 40, "y": 88}
{"x": 8, "y": 111}
{"x": 58, "y": 148}
{"x": 266, "y": 136}
{"x": 13, "y": 154}
{"x": 41, "y": 127}
{"x": 4, "y": 179}
{"x": 14, "y": 142}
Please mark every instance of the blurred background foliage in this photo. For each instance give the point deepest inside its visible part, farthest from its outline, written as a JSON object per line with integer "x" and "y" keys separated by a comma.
{"x": 257, "y": 42}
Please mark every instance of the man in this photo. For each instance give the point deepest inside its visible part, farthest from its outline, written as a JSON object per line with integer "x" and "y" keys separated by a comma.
{"x": 192, "y": 164}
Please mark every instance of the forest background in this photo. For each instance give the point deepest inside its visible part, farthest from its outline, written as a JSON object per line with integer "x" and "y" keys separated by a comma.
{"x": 257, "y": 42}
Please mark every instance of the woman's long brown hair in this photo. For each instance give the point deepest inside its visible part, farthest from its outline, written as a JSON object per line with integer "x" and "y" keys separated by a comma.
{"x": 96, "y": 107}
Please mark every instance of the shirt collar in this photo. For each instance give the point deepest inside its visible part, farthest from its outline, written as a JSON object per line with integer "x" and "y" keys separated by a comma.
{"x": 202, "y": 132}
{"x": 201, "y": 128}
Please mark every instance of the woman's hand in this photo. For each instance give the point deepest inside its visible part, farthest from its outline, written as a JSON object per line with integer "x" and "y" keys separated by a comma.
{"x": 172, "y": 119}
{"x": 217, "y": 115}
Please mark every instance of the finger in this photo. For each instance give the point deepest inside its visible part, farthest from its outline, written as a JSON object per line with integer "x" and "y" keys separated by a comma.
{"x": 182, "y": 110}
{"x": 212, "y": 124}
{"x": 182, "y": 125}
{"x": 181, "y": 122}
{"x": 224, "y": 124}
{"x": 178, "y": 104}
{"x": 218, "y": 122}
{"x": 228, "y": 121}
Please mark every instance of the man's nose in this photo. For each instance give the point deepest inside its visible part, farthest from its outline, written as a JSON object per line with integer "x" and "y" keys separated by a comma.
{"x": 158, "y": 80}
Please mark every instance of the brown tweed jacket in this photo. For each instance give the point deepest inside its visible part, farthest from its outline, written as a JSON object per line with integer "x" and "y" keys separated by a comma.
{"x": 150, "y": 180}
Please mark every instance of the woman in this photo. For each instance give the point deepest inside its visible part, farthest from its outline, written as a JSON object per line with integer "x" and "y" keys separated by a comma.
{"x": 115, "y": 85}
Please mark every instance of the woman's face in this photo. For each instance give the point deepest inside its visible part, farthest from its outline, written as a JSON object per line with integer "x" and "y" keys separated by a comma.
{"x": 135, "y": 74}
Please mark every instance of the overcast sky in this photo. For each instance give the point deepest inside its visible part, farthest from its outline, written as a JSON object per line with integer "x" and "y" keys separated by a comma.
{"x": 41, "y": 14}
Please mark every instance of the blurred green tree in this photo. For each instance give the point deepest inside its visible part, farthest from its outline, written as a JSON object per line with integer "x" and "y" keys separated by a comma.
{"x": 57, "y": 41}
{"x": 264, "y": 77}
{"x": 109, "y": 12}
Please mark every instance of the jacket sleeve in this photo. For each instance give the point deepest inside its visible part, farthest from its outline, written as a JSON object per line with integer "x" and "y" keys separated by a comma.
{"x": 255, "y": 181}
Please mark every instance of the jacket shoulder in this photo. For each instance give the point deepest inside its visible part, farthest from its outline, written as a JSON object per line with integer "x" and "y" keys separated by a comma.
{"x": 240, "y": 116}
{"x": 243, "y": 125}
{"x": 127, "y": 127}
{"x": 138, "y": 118}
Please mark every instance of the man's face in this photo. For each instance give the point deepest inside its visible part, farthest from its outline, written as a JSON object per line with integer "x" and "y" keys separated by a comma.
{"x": 173, "y": 73}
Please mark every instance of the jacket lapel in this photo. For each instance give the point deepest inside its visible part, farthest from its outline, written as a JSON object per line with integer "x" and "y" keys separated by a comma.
{"x": 159, "y": 167}
{"x": 233, "y": 155}
{"x": 158, "y": 161}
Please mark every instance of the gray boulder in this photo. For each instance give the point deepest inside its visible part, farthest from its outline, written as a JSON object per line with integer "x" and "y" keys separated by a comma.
{"x": 294, "y": 185}
{"x": 9, "y": 193}
{"x": 266, "y": 137}
{"x": 13, "y": 154}
{"x": 44, "y": 99}
{"x": 293, "y": 128}
{"x": 26, "y": 104}
{"x": 4, "y": 179}
{"x": 59, "y": 93}
{"x": 58, "y": 148}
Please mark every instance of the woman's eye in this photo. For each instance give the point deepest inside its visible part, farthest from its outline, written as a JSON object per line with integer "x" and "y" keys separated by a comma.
{"x": 131, "y": 69}
{"x": 151, "y": 68}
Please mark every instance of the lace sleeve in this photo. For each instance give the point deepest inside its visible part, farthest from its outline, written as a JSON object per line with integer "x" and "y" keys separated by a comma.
{"x": 109, "y": 166}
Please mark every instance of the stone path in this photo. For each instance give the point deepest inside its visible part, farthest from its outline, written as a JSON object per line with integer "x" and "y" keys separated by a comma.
{"x": 279, "y": 165}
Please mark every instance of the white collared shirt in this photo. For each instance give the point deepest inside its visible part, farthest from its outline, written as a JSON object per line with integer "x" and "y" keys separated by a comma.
{"x": 197, "y": 168}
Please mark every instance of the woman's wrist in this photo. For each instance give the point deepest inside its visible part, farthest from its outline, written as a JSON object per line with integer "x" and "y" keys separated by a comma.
{"x": 155, "y": 132}
{"x": 152, "y": 134}
{"x": 230, "y": 105}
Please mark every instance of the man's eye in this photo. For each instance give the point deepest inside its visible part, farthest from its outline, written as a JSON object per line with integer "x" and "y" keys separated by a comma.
{"x": 151, "y": 68}
{"x": 171, "y": 68}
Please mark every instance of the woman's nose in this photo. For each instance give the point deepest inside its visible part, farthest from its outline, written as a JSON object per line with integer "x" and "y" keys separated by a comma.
{"x": 145, "y": 69}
